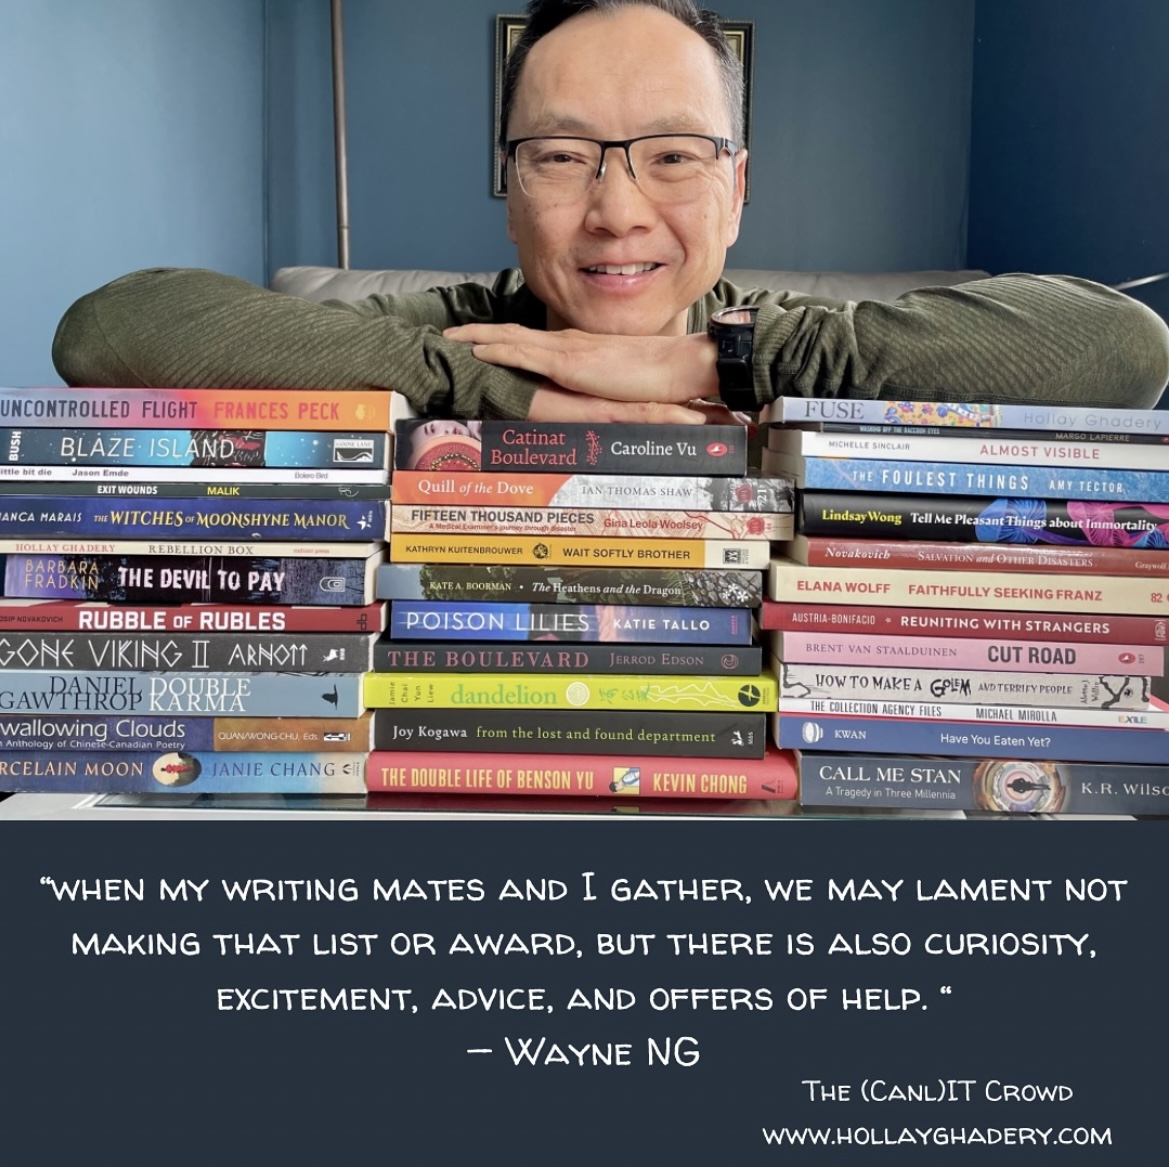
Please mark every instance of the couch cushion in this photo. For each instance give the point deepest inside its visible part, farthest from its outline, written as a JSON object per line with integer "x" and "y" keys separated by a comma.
{"x": 330, "y": 283}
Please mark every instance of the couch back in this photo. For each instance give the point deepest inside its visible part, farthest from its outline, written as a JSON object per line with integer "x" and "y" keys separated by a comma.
{"x": 330, "y": 283}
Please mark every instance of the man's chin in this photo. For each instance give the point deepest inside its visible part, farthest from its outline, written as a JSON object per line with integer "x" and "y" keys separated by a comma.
{"x": 623, "y": 322}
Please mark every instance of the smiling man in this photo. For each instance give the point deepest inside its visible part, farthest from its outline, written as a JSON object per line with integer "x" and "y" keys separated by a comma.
{"x": 625, "y": 178}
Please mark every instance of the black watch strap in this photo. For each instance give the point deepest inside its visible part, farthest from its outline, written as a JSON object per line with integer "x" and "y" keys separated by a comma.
{"x": 733, "y": 332}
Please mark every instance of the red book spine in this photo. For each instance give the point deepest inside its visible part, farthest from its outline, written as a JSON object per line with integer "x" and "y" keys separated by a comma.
{"x": 79, "y": 616}
{"x": 824, "y": 551}
{"x": 783, "y": 617}
{"x": 773, "y": 776}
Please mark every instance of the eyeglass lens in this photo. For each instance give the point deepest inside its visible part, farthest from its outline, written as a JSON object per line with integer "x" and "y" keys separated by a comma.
{"x": 672, "y": 168}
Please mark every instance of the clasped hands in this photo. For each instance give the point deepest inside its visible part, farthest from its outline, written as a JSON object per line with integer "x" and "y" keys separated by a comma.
{"x": 602, "y": 378}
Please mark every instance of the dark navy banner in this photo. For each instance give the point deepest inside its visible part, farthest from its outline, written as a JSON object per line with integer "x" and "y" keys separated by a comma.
{"x": 614, "y": 992}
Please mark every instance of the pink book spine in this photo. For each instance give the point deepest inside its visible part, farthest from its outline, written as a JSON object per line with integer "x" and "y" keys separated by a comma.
{"x": 773, "y": 776}
{"x": 967, "y": 623}
{"x": 932, "y": 652}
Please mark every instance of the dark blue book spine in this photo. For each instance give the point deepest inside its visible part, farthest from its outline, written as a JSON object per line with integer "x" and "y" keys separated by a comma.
{"x": 161, "y": 732}
{"x": 877, "y": 735}
{"x": 197, "y": 448}
{"x": 150, "y": 518}
{"x": 183, "y": 773}
{"x": 939, "y": 478}
{"x": 994, "y": 784}
{"x": 442, "y": 620}
{"x": 188, "y": 579}
{"x": 224, "y": 491}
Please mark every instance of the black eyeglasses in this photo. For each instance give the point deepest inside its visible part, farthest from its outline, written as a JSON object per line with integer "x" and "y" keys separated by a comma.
{"x": 666, "y": 167}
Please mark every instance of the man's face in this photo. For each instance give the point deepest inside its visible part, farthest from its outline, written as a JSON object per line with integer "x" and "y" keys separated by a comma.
{"x": 613, "y": 76}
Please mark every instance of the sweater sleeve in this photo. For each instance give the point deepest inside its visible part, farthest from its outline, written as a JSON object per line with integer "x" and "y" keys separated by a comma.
{"x": 1011, "y": 338}
{"x": 174, "y": 327}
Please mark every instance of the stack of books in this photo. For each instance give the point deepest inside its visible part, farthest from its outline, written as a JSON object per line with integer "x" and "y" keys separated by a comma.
{"x": 974, "y": 612}
{"x": 573, "y": 612}
{"x": 188, "y": 588}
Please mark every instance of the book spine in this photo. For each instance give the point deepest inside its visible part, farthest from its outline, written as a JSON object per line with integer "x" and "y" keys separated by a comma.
{"x": 994, "y": 784}
{"x": 639, "y": 776}
{"x": 552, "y": 551}
{"x": 183, "y": 773}
{"x": 1091, "y": 594}
{"x": 364, "y": 411}
{"x": 980, "y": 448}
{"x": 439, "y": 619}
{"x": 189, "y": 694}
{"x": 766, "y": 495}
{"x": 1026, "y": 417}
{"x": 930, "y": 478}
{"x": 555, "y": 447}
{"x": 964, "y": 624}
{"x": 74, "y": 616}
{"x": 213, "y": 579}
{"x": 186, "y": 652}
{"x": 450, "y": 657}
{"x": 662, "y": 733}
{"x": 875, "y": 735}
{"x": 568, "y": 691}
{"x": 190, "y": 548}
{"x": 235, "y": 491}
{"x": 31, "y": 477}
{"x": 967, "y": 687}
{"x": 591, "y": 523}
{"x": 908, "y": 556}
{"x": 1054, "y": 523}
{"x": 152, "y": 518}
{"x": 1009, "y": 656}
{"x": 709, "y": 587}
{"x": 241, "y": 449}
{"x": 962, "y": 433}
{"x": 986, "y": 716}
{"x": 139, "y": 732}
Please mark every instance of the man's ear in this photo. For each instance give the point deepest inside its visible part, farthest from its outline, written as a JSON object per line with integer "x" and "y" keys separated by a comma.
{"x": 740, "y": 194}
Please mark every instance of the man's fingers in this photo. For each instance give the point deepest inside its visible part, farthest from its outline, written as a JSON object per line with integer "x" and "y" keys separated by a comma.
{"x": 496, "y": 334}
{"x": 519, "y": 356}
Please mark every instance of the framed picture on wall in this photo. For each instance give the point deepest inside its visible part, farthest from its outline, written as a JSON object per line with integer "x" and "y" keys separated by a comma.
{"x": 739, "y": 33}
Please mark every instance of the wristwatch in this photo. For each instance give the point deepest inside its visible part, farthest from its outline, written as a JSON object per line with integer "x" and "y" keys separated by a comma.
{"x": 733, "y": 332}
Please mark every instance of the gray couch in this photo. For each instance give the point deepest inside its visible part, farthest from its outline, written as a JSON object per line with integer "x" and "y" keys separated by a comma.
{"x": 330, "y": 283}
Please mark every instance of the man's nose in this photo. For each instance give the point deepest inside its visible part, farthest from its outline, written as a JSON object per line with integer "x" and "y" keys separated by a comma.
{"x": 616, "y": 202}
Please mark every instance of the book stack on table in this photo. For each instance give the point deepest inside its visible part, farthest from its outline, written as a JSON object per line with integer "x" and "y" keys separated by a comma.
{"x": 573, "y": 613}
{"x": 975, "y": 609}
{"x": 188, "y": 588}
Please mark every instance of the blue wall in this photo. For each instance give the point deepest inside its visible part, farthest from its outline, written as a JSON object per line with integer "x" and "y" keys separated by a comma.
{"x": 860, "y": 143}
{"x": 1069, "y": 164}
{"x": 131, "y": 135}
{"x": 156, "y": 132}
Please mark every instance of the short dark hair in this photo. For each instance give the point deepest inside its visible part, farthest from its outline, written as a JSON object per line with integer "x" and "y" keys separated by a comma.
{"x": 546, "y": 15}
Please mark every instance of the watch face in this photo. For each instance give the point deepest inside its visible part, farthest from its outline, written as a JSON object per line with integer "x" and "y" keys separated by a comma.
{"x": 731, "y": 316}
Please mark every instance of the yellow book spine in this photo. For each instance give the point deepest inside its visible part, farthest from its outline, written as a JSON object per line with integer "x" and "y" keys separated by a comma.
{"x": 559, "y": 551}
{"x": 569, "y": 691}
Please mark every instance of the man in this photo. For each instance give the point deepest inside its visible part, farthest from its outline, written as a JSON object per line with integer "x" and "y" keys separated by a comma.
{"x": 625, "y": 173}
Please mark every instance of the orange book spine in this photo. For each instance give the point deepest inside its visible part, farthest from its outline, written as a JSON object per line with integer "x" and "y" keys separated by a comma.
{"x": 223, "y": 409}
{"x": 774, "y": 776}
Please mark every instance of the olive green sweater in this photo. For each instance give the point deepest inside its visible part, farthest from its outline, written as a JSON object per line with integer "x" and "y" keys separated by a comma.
{"x": 1018, "y": 338}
